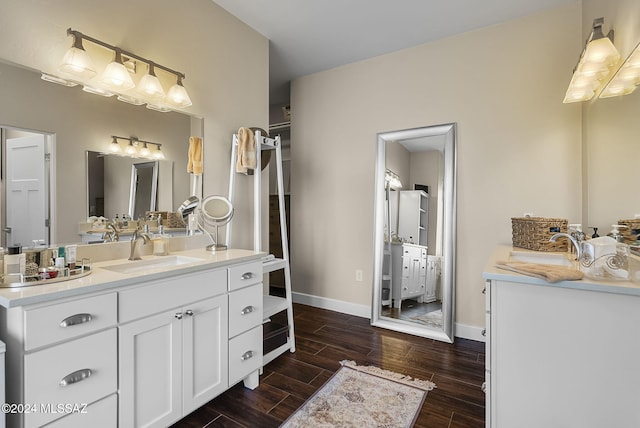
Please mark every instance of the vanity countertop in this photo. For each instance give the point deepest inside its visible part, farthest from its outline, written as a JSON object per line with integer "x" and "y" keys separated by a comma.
{"x": 502, "y": 252}
{"x": 102, "y": 279}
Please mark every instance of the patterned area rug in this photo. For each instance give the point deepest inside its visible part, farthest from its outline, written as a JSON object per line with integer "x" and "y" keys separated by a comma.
{"x": 363, "y": 396}
{"x": 432, "y": 319}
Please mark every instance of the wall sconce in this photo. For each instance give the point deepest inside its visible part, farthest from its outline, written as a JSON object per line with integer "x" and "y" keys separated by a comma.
{"x": 597, "y": 62}
{"x": 77, "y": 67}
{"x": 135, "y": 148}
{"x": 626, "y": 79}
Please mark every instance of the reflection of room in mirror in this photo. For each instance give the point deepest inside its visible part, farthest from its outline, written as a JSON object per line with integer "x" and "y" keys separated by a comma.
{"x": 415, "y": 225}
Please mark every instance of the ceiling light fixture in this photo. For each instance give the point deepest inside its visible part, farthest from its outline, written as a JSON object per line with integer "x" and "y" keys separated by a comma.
{"x": 77, "y": 67}
{"x": 135, "y": 148}
{"x": 597, "y": 62}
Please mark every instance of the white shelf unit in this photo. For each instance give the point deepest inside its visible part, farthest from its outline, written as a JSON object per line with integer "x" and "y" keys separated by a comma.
{"x": 271, "y": 304}
{"x": 413, "y": 216}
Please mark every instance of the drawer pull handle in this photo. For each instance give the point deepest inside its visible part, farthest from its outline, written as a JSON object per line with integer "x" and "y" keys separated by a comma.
{"x": 75, "y": 377}
{"x": 75, "y": 320}
{"x": 484, "y": 290}
{"x": 178, "y": 315}
{"x": 247, "y": 275}
{"x": 247, "y": 310}
{"x": 188, "y": 312}
{"x": 246, "y": 356}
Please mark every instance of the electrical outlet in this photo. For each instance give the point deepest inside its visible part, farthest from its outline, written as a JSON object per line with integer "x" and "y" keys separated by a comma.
{"x": 359, "y": 275}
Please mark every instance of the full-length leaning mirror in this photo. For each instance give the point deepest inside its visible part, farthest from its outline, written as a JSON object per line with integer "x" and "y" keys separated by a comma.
{"x": 414, "y": 231}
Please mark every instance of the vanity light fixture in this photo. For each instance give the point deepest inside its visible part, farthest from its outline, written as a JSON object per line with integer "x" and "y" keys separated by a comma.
{"x": 626, "y": 79}
{"x": 392, "y": 180}
{"x": 77, "y": 67}
{"x": 597, "y": 62}
{"x": 135, "y": 148}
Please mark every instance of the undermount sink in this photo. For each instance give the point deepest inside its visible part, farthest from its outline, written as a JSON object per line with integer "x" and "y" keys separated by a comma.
{"x": 559, "y": 259}
{"x": 151, "y": 264}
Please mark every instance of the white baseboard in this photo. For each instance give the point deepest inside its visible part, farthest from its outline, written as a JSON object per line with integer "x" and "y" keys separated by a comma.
{"x": 332, "y": 305}
{"x": 463, "y": 331}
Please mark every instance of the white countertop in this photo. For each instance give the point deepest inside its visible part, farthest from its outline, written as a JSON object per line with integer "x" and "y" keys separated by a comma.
{"x": 102, "y": 279}
{"x": 502, "y": 252}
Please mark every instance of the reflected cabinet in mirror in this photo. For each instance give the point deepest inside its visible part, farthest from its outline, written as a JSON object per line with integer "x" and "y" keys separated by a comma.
{"x": 414, "y": 231}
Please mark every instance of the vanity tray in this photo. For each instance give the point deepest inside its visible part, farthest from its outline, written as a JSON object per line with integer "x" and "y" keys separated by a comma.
{"x": 32, "y": 280}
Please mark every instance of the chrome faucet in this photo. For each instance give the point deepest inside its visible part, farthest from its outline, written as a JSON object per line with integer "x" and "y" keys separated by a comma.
{"x": 572, "y": 239}
{"x": 112, "y": 234}
{"x": 134, "y": 243}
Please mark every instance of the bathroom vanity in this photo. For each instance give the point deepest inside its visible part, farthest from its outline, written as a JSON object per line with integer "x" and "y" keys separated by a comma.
{"x": 560, "y": 354}
{"x": 134, "y": 343}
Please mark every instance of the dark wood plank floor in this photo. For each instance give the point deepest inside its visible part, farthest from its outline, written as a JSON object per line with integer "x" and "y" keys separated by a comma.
{"x": 323, "y": 339}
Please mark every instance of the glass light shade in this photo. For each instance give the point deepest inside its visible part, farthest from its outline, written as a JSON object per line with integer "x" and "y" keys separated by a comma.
{"x": 77, "y": 62}
{"x": 114, "y": 147}
{"x": 144, "y": 151}
{"x": 158, "y": 154}
{"x": 150, "y": 86}
{"x": 178, "y": 96}
{"x": 131, "y": 149}
{"x": 116, "y": 77}
{"x": 602, "y": 51}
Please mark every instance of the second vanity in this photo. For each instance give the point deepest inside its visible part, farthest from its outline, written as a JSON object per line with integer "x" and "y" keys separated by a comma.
{"x": 560, "y": 354}
{"x": 133, "y": 345}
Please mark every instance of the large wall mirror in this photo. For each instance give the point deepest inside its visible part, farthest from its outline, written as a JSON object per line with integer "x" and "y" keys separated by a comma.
{"x": 414, "y": 235}
{"x": 73, "y": 123}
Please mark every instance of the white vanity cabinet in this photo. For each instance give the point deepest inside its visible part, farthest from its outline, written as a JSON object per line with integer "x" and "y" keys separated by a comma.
{"x": 561, "y": 355}
{"x": 63, "y": 359}
{"x": 409, "y": 272}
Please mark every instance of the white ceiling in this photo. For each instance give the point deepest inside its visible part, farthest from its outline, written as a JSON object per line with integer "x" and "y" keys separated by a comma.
{"x": 307, "y": 36}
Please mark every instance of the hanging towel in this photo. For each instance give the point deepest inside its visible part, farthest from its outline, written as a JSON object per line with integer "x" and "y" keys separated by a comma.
{"x": 246, "y": 151}
{"x": 195, "y": 156}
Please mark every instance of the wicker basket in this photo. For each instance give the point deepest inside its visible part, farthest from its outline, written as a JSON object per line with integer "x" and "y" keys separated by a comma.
{"x": 630, "y": 233}
{"x": 533, "y": 233}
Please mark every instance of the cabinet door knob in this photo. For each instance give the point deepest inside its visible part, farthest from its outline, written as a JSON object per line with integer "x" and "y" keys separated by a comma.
{"x": 75, "y": 377}
{"x": 75, "y": 320}
{"x": 246, "y": 356}
{"x": 484, "y": 331}
{"x": 247, "y": 310}
{"x": 178, "y": 315}
{"x": 484, "y": 290}
{"x": 247, "y": 275}
{"x": 188, "y": 312}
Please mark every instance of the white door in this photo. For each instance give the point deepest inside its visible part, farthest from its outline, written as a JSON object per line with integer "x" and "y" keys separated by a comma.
{"x": 205, "y": 351}
{"x": 151, "y": 371}
{"x": 26, "y": 191}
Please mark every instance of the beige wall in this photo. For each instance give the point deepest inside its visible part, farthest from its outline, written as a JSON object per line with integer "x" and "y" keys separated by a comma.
{"x": 225, "y": 62}
{"x": 519, "y": 147}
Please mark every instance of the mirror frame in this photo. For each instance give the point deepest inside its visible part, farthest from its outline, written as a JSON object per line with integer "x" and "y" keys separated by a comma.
{"x": 134, "y": 180}
{"x": 446, "y": 334}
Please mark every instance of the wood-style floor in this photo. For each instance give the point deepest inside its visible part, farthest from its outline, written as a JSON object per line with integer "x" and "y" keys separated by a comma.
{"x": 323, "y": 339}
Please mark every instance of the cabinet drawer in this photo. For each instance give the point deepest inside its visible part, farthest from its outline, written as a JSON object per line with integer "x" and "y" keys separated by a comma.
{"x": 50, "y": 324}
{"x": 159, "y": 296}
{"x": 80, "y": 371}
{"x": 102, "y": 414}
{"x": 245, "y": 309}
{"x": 244, "y": 275}
{"x": 245, "y": 354}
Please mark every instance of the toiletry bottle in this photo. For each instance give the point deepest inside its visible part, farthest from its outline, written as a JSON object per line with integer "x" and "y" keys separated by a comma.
{"x": 125, "y": 221}
{"x": 595, "y": 232}
{"x": 160, "y": 243}
{"x": 117, "y": 223}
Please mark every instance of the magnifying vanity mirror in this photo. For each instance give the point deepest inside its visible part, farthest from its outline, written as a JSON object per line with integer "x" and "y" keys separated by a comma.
{"x": 414, "y": 231}
{"x": 215, "y": 211}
